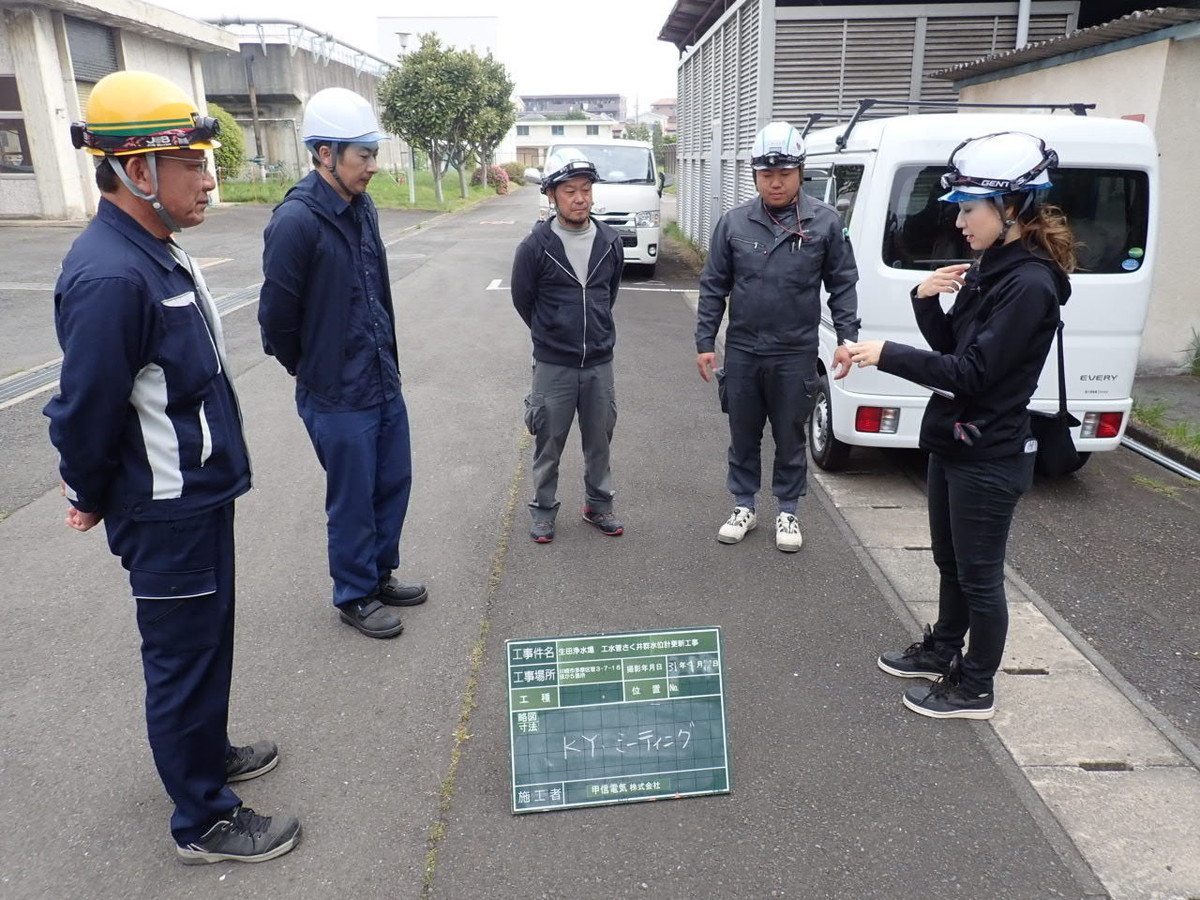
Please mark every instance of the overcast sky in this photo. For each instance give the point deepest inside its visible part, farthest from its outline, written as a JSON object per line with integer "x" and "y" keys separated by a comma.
{"x": 549, "y": 47}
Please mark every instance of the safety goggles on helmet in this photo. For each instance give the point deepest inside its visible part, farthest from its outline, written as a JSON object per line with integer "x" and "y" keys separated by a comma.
{"x": 775, "y": 160}
{"x": 115, "y": 139}
{"x": 571, "y": 169}
{"x": 966, "y": 186}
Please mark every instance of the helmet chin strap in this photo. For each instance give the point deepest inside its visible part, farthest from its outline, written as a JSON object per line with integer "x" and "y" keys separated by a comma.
{"x": 335, "y": 150}
{"x": 152, "y": 197}
{"x": 1009, "y": 223}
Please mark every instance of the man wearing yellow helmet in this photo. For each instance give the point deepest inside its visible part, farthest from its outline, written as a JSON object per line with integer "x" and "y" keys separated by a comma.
{"x": 149, "y": 435}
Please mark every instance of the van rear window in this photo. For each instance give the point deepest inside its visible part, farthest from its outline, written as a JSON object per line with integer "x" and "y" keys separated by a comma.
{"x": 1107, "y": 209}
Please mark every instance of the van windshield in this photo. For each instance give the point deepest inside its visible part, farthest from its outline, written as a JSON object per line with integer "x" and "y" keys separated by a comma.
{"x": 614, "y": 164}
{"x": 1107, "y": 209}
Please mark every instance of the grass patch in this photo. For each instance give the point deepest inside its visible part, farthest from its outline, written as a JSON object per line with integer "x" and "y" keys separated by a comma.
{"x": 1157, "y": 486}
{"x": 462, "y": 733}
{"x": 1152, "y": 416}
{"x": 387, "y": 190}
{"x": 1192, "y": 363}
{"x": 1186, "y": 436}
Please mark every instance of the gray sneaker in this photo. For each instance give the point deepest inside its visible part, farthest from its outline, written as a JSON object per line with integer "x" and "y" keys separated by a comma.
{"x": 243, "y": 836}
{"x": 244, "y": 763}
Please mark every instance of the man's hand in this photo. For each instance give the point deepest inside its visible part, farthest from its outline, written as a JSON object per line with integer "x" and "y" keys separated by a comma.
{"x": 841, "y": 362}
{"x": 706, "y": 362}
{"x": 82, "y": 521}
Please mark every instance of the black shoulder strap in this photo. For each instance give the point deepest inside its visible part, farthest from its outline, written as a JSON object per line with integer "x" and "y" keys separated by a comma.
{"x": 1062, "y": 373}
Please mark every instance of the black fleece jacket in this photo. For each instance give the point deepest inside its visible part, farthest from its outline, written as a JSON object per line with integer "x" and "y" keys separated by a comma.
{"x": 988, "y": 351}
{"x": 571, "y": 323}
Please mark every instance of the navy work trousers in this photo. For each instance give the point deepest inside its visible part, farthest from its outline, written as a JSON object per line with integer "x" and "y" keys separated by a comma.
{"x": 182, "y": 576}
{"x": 759, "y": 389}
{"x": 367, "y": 458}
{"x": 971, "y": 505}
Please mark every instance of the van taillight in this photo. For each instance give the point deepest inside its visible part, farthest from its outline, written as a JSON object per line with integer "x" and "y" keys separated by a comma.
{"x": 877, "y": 419}
{"x": 1101, "y": 425}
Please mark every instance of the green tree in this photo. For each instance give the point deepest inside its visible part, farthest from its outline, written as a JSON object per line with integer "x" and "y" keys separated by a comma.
{"x": 637, "y": 131}
{"x": 495, "y": 114}
{"x": 444, "y": 102}
{"x": 231, "y": 155}
{"x": 575, "y": 115}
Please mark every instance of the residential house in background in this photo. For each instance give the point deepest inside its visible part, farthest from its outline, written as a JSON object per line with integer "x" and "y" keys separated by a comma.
{"x": 611, "y": 105}
{"x": 528, "y": 139}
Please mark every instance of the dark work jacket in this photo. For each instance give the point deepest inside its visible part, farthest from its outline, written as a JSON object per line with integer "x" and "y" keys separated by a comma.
{"x": 571, "y": 323}
{"x": 773, "y": 284}
{"x": 314, "y": 308}
{"x": 145, "y": 420}
{"x": 988, "y": 351}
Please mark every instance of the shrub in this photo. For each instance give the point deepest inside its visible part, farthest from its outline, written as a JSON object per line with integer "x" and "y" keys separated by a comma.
{"x": 231, "y": 155}
{"x": 516, "y": 172}
{"x": 497, "y": 177}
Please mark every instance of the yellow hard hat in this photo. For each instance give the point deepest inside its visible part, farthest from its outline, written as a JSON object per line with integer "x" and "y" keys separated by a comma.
{"x": 140, "y": 112}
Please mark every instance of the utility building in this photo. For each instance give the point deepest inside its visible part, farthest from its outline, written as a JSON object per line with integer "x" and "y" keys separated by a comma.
{"x": 748, "y": 62}
{"x": 51, "y": 55}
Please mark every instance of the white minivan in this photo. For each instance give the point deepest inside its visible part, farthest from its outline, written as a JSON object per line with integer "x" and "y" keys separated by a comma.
{"x": 628, "y": 195}
{"x": 883, "y": 175}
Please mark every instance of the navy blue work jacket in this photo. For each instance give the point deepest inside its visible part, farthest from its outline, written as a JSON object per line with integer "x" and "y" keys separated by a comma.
{"x": 325, "y": 308}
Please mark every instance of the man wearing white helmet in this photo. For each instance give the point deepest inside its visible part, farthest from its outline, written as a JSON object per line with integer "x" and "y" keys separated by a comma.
{"x": 326, "y": 315}
{"x": 565, "y": 278}
{"x": 767, "y": 261}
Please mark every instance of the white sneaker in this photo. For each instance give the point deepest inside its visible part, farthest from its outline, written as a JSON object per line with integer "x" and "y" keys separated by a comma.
{"x": 738, "y": 525}
{"x": 787, "y": 533}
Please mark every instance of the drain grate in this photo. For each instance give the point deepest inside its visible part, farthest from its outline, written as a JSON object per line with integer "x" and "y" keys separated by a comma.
{"x": 1105, "y": 766}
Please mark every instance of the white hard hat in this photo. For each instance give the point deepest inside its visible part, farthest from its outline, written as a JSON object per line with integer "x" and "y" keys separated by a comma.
{"x": 777, "y": 146}
{"x": 997, "y": 164}
{"x": 337, "y": 114}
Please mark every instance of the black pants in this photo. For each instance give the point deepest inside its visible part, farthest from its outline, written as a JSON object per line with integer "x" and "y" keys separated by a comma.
{"x": 182, "y": 575}
{"x": 759, "y": 389}
{"x": 971, "y": 505}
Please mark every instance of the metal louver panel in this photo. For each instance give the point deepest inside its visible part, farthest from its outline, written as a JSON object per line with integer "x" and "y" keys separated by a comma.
{"x": 93, "y": 49}
{"x": 950, "y": 42}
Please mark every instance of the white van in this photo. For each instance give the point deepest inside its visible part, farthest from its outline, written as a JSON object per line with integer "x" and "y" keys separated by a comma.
{"x": 628, "y": 195}
{"x": 883, "y": 175}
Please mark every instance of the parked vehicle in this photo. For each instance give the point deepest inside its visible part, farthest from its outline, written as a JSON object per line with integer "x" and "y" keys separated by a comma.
{"x": 883, "y": 175}
{"x": 628, "y": 195}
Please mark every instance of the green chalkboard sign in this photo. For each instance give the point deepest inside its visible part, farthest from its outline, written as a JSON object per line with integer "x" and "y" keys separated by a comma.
{"x": 616, "y": 718}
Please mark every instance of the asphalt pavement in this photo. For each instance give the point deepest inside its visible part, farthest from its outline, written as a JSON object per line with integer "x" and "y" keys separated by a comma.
{"x": 395, "y": 754}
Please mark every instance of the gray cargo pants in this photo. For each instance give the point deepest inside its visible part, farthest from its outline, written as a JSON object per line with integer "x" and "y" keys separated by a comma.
{"x": 558, "y": 393}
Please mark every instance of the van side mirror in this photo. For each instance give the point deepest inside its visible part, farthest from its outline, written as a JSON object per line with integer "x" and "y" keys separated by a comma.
{"x": 533, "y": 176}
{"x": 665, "y": 180}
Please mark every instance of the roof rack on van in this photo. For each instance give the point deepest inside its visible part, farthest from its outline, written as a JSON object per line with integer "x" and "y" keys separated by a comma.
{"x": 1079, "y": 109}
{"x": 812, "y": 120}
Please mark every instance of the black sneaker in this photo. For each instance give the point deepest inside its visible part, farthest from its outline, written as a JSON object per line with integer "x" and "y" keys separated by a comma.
{"x": 541, "y": 532}
{"x": 243, "y": 836}
{"x": 948, "y": 700}
{"x": 607, "y": 522}
{"x": 244, "y": 763}
{"x": 397, "y": 593}
{"x": 920, "y": 660}
{"x": 371, "y": 617}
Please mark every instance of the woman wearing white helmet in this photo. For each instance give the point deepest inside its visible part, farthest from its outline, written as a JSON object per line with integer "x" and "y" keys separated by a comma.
{"x": 987, "y": 354}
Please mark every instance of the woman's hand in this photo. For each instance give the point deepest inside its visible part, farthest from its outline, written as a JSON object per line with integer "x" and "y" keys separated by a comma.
{"x": 946, "y": 280}
{"x": 865, "y": 353}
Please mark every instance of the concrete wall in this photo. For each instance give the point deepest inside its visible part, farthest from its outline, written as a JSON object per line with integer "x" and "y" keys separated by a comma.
{"x": 1158, "y": 81}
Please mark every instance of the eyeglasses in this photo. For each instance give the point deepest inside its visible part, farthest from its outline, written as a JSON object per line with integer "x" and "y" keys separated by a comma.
{"x": 197, "y": 164}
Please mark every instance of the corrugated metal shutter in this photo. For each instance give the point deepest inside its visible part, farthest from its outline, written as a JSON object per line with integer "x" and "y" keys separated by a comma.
{"x": 949, "y": 42}
{"x": 719, "y": 80}
{"x": 84, "y": 89}
{"x": 93, "y": 49}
